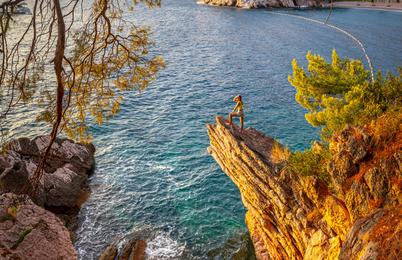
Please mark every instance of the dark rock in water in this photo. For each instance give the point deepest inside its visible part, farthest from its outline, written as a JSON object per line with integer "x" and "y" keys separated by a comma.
{"x": 15, "y": 7}
{"x": 138, "y": 251}
{"x": 133, "y": 249}
{"x": 65, "y": 173}
{"x": 28, "y": 231}
{"x": 145, "y": 243}
{"x": 110, "y": 253}
{"x": 22, "y": 9}
{"x": 124, "y": 248}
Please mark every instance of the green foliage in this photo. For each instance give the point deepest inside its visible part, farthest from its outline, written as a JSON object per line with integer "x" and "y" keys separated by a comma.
{"x": 337, "y": 94}
{"x": 13, "y": 210}
{"x": 6, "y": 217}
{"x": 340, "y": 92}
{"x": 386, "y": 128}
{"x": 11, "y": 213}
{"x": 321, "y": 90}
{"x": 312, "y": 161}
{"x": 21, "y": 237}
{"x": 109, "y": 58}
{"x": 93, "y": 92}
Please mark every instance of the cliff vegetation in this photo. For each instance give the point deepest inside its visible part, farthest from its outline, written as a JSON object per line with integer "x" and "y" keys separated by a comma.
{"x": 340, "y": 198}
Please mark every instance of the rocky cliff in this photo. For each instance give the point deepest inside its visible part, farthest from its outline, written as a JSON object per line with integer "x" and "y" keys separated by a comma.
{"x": 264, "y": 3}
{"x": 31, "y": 230}
{"x": 289, "y": 216}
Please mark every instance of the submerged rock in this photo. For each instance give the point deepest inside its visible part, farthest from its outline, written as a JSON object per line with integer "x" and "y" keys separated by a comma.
{"x": 290, "y": 216}
{"x": 145, "y": 243}
{"x": 109, "y": 253}
{"x": 28, "y": 231}
{"x": 132, "y": 249}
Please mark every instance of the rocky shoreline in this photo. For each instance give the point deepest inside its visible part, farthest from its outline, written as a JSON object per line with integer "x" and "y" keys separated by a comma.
{"x": 288, "y": 215}
{"x": 291, "y": 216}
{"x": 250, "y": 4}
{"x": 42, "y": 226}
{"x": 392, "y": 5}
{"x": 254, "y": 4}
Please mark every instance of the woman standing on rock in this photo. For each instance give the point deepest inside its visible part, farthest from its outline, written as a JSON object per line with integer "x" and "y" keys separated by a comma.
{"x": 239, "y": 113}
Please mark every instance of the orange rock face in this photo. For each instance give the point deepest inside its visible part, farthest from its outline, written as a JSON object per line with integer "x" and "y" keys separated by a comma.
{"x": 298, "y": 217}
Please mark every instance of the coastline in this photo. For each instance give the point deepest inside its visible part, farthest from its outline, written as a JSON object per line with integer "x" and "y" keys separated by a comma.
{"x": 164, "y": 166}
{"x": 368, "y": 5}
{"x": 378, "y": 6}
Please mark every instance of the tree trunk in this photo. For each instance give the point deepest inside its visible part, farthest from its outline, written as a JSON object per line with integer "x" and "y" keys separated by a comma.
{"x": 58, "y": 68}
{"x": 58, "y": 65}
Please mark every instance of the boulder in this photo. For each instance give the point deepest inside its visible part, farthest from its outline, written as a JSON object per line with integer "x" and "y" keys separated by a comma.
{"x": 65, "y": 173}
{"x": 132, "y": 249}
{"x": 28, "y": 231}
{"x": 109, "y": 253}
{"x": 13, "y": 174}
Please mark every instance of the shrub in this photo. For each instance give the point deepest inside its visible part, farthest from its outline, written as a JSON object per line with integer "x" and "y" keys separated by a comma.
{"x": 339, "y": 93}
{"x": 312, "y": 161}
{"x": 279, "y": 153}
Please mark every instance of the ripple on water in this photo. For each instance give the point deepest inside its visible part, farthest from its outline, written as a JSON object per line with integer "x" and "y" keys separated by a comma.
{"x": 162, "y": 246}
{"x": 152, "y": 167}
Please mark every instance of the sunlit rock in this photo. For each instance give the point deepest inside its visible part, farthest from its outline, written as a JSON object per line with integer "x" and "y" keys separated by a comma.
{"x": 290, "y": 216}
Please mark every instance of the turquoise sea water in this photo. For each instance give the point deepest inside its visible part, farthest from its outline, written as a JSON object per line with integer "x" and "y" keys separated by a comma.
{"x": 153, "y": 174}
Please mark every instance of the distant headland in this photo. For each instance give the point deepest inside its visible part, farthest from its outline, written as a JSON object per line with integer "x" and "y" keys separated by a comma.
{"x": 248, "y": 4}
{"x": 252, "y": 4}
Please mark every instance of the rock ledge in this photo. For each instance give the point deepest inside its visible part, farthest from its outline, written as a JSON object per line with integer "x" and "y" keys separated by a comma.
{"x": 298, "y": 217}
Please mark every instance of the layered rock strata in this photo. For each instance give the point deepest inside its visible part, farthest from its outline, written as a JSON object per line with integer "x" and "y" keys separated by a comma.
{"x": 264, "y": 3}
{"x": 299, "y": 217}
